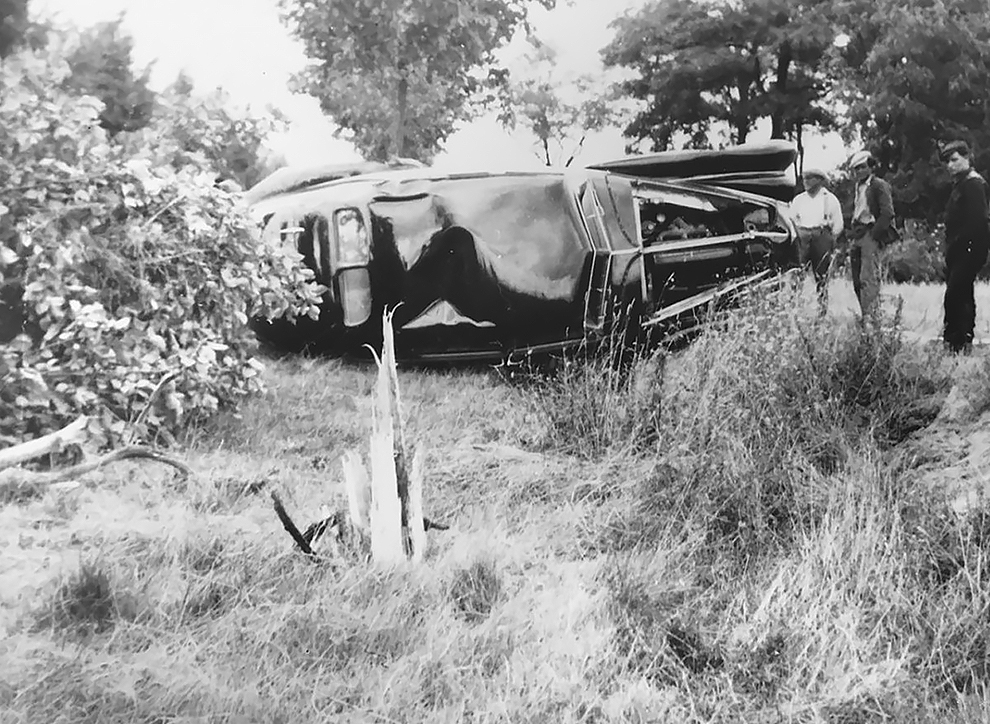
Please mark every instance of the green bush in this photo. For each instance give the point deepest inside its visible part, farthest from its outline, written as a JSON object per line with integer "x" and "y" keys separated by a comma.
{"x": 917, "y": 257}
{"x": 127, "y": 265}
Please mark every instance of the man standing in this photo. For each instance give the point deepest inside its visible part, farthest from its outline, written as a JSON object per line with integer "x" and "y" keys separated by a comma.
{"x": 967, "y": 239}
{"x": 873, "y": 213}
{"x": 818, "y": 217}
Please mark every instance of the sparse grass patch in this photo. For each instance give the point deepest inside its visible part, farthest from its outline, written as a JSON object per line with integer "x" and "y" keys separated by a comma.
{"x": 476, "y": 590}
{"x": 974, "y": 385}
{"x": 651, "y": 639}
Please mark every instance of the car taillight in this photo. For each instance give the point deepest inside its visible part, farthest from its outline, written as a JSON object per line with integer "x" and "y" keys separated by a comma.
{"x": 353, "y": 248}
{"x": 355, "y": 295}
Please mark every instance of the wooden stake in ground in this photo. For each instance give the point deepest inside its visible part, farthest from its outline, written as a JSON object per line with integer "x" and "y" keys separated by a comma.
{"x": 396, "y": 530}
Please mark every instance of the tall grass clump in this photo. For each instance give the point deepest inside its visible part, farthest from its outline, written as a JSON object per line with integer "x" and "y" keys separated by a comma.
{"x": 750, "y": 420}
{"x": 86, "y": 602}
{"x": 875, "y": 612}
{"x": 777, "y": 560}
{"x": 601, "y": 398}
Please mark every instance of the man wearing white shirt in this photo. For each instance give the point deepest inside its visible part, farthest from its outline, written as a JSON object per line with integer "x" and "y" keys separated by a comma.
{"x": 818, "y": 217}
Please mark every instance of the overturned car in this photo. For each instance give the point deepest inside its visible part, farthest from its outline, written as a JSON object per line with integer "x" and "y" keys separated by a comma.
{"x": 495, "y": 266}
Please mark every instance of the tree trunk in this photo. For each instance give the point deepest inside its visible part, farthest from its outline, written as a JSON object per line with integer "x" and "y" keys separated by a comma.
{"x": 799, "y": 137}
{"x": 402, "y": 108}
{"x": 778, "y": 119}
{"x": 742, "y": 130}
{"x": 577, "y": 150}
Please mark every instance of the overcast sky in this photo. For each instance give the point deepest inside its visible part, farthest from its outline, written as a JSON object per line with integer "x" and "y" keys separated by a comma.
{"x": 241, "y": 46}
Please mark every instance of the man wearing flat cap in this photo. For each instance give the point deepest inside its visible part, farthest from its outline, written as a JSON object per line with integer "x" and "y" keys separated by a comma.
{"x": 873, "y": 214}
{"x": 967, "y": 243}
{"x": 818, "y": 217}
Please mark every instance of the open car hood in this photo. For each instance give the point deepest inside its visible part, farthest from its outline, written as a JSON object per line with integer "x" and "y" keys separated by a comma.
{"x": 765, "y": 169}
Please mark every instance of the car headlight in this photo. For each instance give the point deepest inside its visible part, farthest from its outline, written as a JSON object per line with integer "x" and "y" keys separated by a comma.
{"x": 353, "y": 248}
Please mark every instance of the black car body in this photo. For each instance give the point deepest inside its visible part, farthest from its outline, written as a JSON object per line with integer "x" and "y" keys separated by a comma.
{"x": 493, "y": 265}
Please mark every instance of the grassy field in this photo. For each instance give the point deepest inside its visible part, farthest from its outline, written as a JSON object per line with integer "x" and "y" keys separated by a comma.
{"x": 735, "y": 532}
{"x": 921, "y": 307}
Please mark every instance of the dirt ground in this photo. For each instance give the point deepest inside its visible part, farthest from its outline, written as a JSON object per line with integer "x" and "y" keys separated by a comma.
{"x": 954, "y": 452}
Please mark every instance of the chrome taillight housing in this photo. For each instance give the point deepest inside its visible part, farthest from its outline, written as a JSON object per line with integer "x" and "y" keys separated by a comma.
{"x": 353, "y": 254}
{"x": 353, "y": 247}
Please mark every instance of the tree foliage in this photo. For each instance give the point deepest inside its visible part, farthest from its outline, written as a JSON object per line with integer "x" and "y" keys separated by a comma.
{"x": 130, "y": 266}
{"x": 13, "y": 25}
{"x": 234, "y": 141}
{"x": 916, "y": 77}
{"x": 558, "y": 111}
{"x": 398, "y": 75}
{"x": 101, "y": 65}
{"x": 698, "y": 65}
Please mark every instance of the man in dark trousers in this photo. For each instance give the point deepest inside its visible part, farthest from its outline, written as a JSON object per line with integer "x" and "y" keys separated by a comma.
{"x": 873, "y": 213}
{"x": 967, "y": 240}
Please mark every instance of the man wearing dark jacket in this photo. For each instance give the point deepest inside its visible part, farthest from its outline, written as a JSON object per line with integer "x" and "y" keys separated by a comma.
{"x": 873, "y": 213}
{"x": 967, "y": 240}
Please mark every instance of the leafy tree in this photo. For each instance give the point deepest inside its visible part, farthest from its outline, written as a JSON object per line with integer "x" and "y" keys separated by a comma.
{"x": 558, "y": 112}
{"x": 732, "y": 63}
{"x": 235, "y": 142}
{"x": 129, "y": 270}
{"x": 398, "y": 75}
{"x": 916, "y": 76}
{"x": 13, "y": 25}
{"x": 102, "y": 66}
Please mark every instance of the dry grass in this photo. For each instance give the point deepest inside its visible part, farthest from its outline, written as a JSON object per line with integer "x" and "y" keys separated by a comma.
{"x": 921, "y": 307}
{"x": 627, "y": 585}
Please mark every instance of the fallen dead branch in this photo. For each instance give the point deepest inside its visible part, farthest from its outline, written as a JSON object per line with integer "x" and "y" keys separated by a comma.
{"x": 18, "y": 482}
{"x": 73, "y": 433}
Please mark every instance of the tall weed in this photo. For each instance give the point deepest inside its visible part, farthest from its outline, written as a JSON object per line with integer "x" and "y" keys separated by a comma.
{"x": 601, "y": 399}
{"x": 752, "y": 418}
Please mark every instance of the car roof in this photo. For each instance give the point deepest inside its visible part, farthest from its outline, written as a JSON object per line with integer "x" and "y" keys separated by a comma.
{"x": 356, "y": 185}
{"x": 392, "y": 176}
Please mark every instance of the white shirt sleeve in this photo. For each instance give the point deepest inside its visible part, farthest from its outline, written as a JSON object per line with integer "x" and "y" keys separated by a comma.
{"x": 833, "y": 212}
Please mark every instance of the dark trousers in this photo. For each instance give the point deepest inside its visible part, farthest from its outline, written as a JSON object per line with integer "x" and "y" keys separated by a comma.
{"x": 864, "y": 261}
{"x": 815, "y": 249}
{"x": 960, "y": 300}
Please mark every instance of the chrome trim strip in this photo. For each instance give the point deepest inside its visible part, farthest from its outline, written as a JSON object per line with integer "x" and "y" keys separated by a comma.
{"x": 697, "y": 300}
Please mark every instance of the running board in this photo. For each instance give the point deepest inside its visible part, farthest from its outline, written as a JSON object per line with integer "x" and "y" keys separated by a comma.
{"x": 698, "y": 300}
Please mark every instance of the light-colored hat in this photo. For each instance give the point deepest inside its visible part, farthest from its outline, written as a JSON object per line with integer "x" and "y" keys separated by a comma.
{"x": 859, "y": 158}
{"x": 814, "y": 171}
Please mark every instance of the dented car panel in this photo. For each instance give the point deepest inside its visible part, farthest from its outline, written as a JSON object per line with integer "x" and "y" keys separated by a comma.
{"x": 483, "y": 266}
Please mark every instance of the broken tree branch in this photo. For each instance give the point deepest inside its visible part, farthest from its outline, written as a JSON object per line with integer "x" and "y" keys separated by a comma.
{"x": 289, "y": 526}
{"x": 168, "y": 377}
